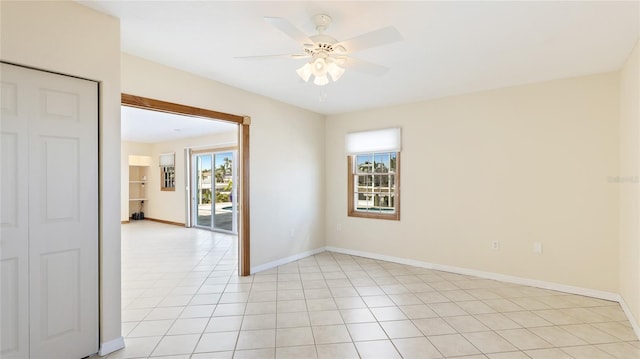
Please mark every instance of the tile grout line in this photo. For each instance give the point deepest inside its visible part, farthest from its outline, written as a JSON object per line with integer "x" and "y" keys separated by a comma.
{"x": 193, "y": 352}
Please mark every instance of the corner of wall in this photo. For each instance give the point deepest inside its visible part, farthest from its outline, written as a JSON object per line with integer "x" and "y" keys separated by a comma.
{"x": 629, "y": 193}
{"x": 111, "y": 346}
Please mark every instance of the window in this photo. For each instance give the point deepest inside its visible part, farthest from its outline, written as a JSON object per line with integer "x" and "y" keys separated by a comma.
{"x": 374, "y": 174}
{"x": 167, "y": 172}
{"x": 373, "y": 186}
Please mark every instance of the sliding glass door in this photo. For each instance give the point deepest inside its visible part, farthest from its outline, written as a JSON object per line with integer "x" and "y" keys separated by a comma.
{"x": 214, "y": 198}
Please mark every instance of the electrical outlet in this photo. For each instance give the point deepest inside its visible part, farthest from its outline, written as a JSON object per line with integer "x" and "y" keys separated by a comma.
{"x": 495, "y": 245}
{"x": 537, "y": 247}
{"x": 338, "y": 227}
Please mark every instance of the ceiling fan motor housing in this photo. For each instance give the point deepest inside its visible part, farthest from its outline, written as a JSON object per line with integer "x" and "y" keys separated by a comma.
{"x": 323, "y": 44}
{"x": 322, "y": 21}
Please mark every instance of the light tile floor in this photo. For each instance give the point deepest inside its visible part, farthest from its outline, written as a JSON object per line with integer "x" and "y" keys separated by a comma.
{"x": 182, "y": 298}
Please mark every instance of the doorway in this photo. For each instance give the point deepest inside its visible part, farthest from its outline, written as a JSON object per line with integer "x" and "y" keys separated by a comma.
{"x": 242, "y": 163}
{"x": 213, "y": 198}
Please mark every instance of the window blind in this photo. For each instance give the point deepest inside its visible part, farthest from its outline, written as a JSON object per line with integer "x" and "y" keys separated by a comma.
{"x": 167, "y": 159}
{"x": 383, "y": 140}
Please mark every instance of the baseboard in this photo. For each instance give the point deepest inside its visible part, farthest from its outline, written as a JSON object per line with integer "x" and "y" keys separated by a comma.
{"x": 124, "y": 222}
{"x": 111, "y": 346}
{"x": 286, "y": 260}
{"x": 165, "y": 222}
{"x": 635, "y": 325}
{"x": 614, "y": 297}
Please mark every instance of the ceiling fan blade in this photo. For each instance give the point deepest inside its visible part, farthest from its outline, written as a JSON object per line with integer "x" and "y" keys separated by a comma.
{"x": 266, "y": 57}
{"x": 363, "y": 66}
{"x": 386, "y": 35}
{"x": 285, "y": 26}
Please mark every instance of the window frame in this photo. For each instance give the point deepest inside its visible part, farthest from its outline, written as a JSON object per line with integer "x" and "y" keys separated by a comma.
{"x": 352, "y": 208}
{"x": 164, "y": 180}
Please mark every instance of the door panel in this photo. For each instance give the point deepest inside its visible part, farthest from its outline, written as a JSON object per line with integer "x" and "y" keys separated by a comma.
{"x": 63, "y": 214}
{"x": 61, "y": 152}
{"x": 203, "y": 191}
{"x": 60, "y": 274}
{"x": 223, "y": 218}
{"x": 61, "y": 179}
{"x": 14, "y": 231}
{"x": 13, "y": 328}
{"x": 58, "y": 105}
{"x": 9, "y": 184}
{"x": 214, "y": 191}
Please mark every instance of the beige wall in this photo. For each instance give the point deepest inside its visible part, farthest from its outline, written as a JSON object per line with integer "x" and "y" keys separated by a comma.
{"x": 517, "y": 165}
{"x": 629, "y": 193}
{"x": 71, "y": 39}
{"x": 287, "y": 155}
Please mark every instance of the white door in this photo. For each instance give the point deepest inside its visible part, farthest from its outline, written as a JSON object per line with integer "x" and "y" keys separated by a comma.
{"x": 50, "y": 219}
{"x": 14, "y": 232}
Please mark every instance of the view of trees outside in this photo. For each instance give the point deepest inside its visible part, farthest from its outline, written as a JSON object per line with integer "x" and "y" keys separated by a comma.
{"x": 204, "y": 179}
{"x": 215, "y": 184}
{"x": 375, "y": 178}
{"x": 223, "y": 175}
{"x": 223, "y": 178}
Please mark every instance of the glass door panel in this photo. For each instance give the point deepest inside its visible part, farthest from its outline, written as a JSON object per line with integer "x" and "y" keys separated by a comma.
{"x": 223, "y": 209}
{"x": 203, "y": 202}
{"x": 214, "y": 197}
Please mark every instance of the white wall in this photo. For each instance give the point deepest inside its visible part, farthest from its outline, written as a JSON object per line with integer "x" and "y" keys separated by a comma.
{"x": 629, "y": 193}
{"x": 287, "y": 155}
{"x": 71, "y": 39}
{"x": 517, "y": 165}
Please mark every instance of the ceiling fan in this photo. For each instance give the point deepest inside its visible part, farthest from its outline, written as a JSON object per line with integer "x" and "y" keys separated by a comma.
{"x": 328, "y": 56}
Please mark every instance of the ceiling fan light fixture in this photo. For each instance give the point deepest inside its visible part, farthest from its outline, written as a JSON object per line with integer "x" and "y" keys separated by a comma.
{"x": 321, "y": 80}
{"x": 334, "y": 71}
{"x": 305, "y": 72}
{"x": 319, "y": 67}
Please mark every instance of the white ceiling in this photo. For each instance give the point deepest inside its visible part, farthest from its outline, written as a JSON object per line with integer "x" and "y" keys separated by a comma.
{"x": 147, "y": 126}
{"x": 449, "y": 47}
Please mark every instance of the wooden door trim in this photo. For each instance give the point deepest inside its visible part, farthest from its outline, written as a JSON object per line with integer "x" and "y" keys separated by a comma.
{"x": 243, "y": 122}
{"x": 245, "y": 223}
{"x": 170, "y": 107}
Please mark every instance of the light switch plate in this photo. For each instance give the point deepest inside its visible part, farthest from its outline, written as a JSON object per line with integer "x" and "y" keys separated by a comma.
{"x": 537, "y": 247}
